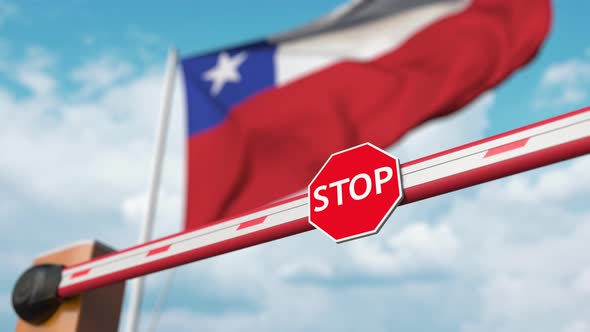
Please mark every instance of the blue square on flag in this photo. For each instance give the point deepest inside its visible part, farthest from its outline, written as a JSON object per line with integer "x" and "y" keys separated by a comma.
{"x": 216, "y": 82}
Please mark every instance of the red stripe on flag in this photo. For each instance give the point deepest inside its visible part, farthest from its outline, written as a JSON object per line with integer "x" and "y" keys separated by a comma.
{"x": 251, "y": 223}
{"x": 158, "y": 250}
{"x": 506, "y": 147}
{"x": 80, "y": 273}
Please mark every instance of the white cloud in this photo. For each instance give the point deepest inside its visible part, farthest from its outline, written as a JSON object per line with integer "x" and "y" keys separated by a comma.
{"x": 417, "y": 248}
{"x": 518, "y": 304}
{"x": 169, "y": 210}
{"x": 97, "y": 152}
{"x": 582, "y": 281}
{"x": 100, "y": 73}
{"x": 34, "y": 73}
{"x": 578, "y": 326}
{"x": 555, "y": 186}
{"x": 284, "y": 309}
{"x": 570, "y": 71}
{"x": 524, "y": 252}
{"x": 564, "y": 83}
{"x": 307, "y": 268}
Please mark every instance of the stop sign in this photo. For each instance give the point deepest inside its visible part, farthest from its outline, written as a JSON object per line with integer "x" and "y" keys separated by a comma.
{"x": 355, "y": 192}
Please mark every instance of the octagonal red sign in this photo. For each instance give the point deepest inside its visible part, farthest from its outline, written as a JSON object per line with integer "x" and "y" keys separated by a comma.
{"x": 355, "y": 191}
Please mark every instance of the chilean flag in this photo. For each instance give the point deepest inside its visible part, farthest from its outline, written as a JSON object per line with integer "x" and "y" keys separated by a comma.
{"x": 263, "y": 117}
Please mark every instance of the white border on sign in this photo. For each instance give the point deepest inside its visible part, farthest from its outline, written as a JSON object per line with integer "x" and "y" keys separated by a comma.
{"x": 387, "y": 214}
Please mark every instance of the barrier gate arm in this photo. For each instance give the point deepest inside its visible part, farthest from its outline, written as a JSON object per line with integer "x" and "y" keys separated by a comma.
{"x": 542, "y": 143}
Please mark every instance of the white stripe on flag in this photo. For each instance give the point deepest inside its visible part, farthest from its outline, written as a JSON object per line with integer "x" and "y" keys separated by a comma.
{"x": 365, "y": 41}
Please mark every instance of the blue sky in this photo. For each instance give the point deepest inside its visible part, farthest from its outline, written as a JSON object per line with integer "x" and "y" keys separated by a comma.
{"x": 78, "y": 85}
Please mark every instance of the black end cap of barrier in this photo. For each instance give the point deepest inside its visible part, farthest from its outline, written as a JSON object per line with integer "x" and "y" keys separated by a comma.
{"x": 34, "y": 297}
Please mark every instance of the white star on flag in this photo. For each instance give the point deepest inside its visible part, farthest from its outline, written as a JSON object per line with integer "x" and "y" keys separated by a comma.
{"x": 226, "y": 70}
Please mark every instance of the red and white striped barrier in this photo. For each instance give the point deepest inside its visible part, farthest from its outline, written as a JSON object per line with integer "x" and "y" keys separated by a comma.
{"x": 536, "y": 145}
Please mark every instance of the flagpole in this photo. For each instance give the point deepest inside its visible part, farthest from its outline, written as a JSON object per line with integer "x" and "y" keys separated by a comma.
{"x": 137, "y": 285}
